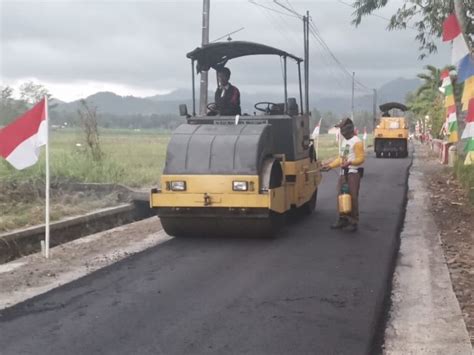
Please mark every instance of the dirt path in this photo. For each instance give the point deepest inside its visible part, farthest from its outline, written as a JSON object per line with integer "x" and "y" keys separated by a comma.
{"x": 455, "y": 219}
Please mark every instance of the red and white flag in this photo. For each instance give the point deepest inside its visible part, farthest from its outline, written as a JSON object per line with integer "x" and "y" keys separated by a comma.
{"x": 452, "y": 32}
{"x": 21, "y": 140}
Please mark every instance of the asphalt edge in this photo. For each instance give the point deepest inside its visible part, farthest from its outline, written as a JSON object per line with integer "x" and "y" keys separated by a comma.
{"x": 378, "y": 338}
{"x": 12, "y": 311}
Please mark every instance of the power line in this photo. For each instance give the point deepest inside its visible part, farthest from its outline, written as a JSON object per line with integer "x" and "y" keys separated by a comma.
{"x": 316, "y": 34}
{"x": 270, "y": 15}
{"x": 327, "y": 55}
{"x": 271, "y": 9}
{"x": 326, "y": 59}
{"x": 292, "y": 10}
{"x": 372, "y": 14}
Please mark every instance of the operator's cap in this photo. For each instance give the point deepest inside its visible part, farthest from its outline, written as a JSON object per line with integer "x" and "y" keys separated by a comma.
{"x": 344, "y": 122}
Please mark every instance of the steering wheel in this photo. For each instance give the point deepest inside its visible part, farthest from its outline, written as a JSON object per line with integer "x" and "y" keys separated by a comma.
{"x": 212, "y": 107}
{"x": 267, "y": 109}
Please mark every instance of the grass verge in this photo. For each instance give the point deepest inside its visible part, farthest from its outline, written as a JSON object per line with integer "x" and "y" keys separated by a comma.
{"x": 465, "y": 175}
{"x": 132, "y": 158}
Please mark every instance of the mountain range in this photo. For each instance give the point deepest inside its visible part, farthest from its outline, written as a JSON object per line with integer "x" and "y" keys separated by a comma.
{"x": 111, "y": 103}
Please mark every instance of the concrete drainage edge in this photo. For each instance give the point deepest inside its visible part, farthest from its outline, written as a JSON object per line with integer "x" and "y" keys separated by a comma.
{"x": 27, "y": 241}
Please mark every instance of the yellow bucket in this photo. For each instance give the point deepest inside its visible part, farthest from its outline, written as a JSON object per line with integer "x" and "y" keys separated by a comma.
{"x": 345, "y": 203}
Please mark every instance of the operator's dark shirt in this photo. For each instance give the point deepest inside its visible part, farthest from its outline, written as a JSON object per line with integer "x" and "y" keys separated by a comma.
{"x": 228, "y": 104}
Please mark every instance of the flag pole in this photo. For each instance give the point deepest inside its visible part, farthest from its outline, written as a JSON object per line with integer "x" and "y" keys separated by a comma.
{"x": 317, "y": 142}
{"x": 46, "y": 248}
{"x": 339, "y": 143}
{"x": 365, "y": 138}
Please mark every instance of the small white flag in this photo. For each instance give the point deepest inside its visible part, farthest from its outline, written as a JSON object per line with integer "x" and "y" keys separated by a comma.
{"x": 315, "y": 133}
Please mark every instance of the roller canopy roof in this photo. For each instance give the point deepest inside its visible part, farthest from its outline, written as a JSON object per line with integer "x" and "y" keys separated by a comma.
{"x": 391, "y": 105}
{"x": 216, "y": 55}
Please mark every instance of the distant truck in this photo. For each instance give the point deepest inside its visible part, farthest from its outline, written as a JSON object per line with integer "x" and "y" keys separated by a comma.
{"x": 391, "y": 132}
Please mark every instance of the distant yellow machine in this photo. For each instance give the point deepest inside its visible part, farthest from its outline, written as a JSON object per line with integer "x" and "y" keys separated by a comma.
{"x": 237, "y": 176}
{"x": 391, "y": 132}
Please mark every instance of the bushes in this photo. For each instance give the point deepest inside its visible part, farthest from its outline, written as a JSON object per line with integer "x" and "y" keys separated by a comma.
{"x": 465, "y": 174}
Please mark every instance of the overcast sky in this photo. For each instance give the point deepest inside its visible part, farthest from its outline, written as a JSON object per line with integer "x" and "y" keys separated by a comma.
{"x": 77, "y": 48}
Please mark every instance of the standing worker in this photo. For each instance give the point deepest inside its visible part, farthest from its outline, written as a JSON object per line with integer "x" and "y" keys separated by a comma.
{"x": 350, "y": 160}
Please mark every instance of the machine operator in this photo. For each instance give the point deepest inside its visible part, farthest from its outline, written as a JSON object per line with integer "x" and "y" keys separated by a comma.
{"x": 227, "y": 96}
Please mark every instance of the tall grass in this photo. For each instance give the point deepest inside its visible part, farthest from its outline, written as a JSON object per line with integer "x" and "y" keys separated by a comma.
{"x": 465, "y": 174}
{"x": 130, "y": 158}
{"x": 133, "y": 158}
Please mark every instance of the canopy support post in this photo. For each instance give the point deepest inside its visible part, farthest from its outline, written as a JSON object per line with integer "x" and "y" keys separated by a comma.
{"x": 285, "y": 82}
{"x": 301, "y": 90}
{"x": 194, "y": 88}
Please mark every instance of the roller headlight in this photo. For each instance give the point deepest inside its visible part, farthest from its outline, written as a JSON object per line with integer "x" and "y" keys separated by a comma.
{"x": 178, "y": 185}
{"x": 240, "y": 185}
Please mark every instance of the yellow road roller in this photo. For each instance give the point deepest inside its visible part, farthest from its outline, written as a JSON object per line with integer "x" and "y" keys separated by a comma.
{"x": 391, "y": 132}
{"x": 238, "y": 175}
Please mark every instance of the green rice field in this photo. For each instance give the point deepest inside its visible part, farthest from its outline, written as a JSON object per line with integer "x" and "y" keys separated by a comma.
{"x": 132, "y": 158}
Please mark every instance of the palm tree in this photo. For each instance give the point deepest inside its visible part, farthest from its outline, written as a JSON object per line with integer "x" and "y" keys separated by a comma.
{"x": 429, "y": 98}
{"x": 432, "y": 79}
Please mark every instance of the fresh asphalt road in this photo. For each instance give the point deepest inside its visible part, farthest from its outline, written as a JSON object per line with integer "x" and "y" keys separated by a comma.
{"x": 310, "y": 291}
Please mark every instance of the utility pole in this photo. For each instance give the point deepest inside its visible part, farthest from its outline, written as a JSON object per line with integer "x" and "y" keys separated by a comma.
{"x": 375, "y": 109}
{"x": 352, "y": 100}
{"x": 306, "y": 61}
{"x": 205, "y": 40}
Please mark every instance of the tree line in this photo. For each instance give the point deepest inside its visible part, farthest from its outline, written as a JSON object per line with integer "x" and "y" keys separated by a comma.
{"x": 14, "y": 104}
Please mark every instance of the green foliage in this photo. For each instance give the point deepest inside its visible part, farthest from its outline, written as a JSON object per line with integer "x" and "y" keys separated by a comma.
{"x": 30, "y": 94}
{"x": 363, "y": 119}
{"x": 9, "y": 107}
{"x": 465, "y": 174}
{"x": 130, "y": 158}
{"x": 329, "y": 119}
{"x": 425, "y": 16}
{"x": 432, "y": 79}
{"x": 429, "y": 101}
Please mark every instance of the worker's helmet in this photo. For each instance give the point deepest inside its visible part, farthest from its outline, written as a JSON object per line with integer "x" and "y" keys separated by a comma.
{"x": 346, "y": 126}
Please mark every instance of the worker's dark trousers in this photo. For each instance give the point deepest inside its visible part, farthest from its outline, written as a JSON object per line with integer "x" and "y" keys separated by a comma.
{"x": 353, "y": 180}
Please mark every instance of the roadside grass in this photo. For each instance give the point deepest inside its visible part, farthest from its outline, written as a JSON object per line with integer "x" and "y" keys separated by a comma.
{"x": 328, "y": 146}
{"x": 465, "y": 174}
{"x": 132, "y": 158}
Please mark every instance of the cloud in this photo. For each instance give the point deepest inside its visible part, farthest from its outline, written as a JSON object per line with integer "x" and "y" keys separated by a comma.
{"x": 142, "y": 45}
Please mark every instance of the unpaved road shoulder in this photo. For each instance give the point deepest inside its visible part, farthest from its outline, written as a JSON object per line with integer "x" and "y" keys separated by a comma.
{"x": 32, "y": 275}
